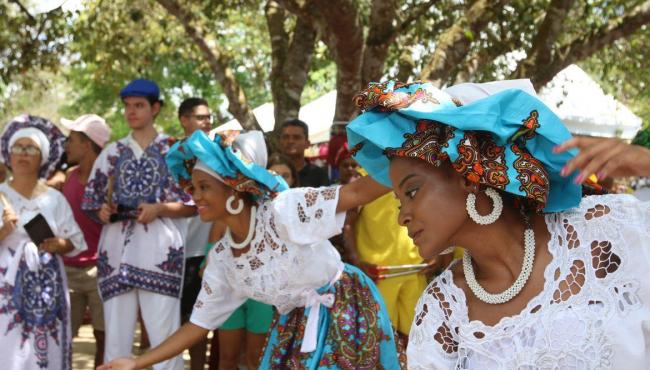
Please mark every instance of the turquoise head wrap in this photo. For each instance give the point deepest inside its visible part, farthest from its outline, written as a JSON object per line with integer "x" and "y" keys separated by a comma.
{"x": 504, "y": 141}
{"x": 236, "y": 170}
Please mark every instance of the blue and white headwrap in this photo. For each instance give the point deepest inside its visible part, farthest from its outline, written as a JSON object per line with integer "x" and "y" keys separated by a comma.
{"x": 504, "y": 141}
{"x": 238, "y": 160}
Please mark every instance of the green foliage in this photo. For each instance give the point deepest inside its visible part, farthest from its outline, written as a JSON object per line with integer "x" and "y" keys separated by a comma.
{"x": 623, "y": 71}
{"x": 111, "y": 42}
{"x": 29, "y": 45}
{"x": 642, "y": 138}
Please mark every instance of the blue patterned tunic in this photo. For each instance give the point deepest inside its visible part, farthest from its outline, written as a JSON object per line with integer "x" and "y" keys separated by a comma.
{"x": 131, "y": 254}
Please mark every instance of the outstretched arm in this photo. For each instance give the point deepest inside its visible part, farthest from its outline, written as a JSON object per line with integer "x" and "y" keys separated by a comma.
{"x": 183, "y": 338}
{"x": 359, "y": 192}
{"x": 605, "y": 157}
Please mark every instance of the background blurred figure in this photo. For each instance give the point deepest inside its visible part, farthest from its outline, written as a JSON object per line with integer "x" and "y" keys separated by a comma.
{"x": 88, "y": 135}
{"x": 294, "y": 139}
{"x": 283, "y": 166}
{"x": 346, "y": 166}
{"x": 3, "y": 172}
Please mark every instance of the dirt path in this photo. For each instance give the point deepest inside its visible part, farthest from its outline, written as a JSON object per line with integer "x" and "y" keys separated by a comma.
{"x": 83, "y": 349}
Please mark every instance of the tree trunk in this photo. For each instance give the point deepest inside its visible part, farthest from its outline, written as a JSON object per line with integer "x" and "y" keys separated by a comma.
{"x": 542, "y": 49}
{"x": 219, "y": 65}
{"x": 381, "y": 31}
{"x": 343, "y": 34}
{"x": 291, "y": 61}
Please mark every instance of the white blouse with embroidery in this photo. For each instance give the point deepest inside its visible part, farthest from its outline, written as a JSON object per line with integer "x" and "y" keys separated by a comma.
{"x": 591, "y": 314}
{"x": 289, "y": 259}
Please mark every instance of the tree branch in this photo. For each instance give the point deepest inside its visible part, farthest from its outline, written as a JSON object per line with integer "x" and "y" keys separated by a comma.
{"x": 413, "y": 16}
{"x": 291, "y": 61}
{"x": 542, "y": 47}
{"x": 24, "y": 10}
{"x": 219, "y": 65}
{"x": 381, "y": 30}
{"x": 453, "y": 45}
{"x": 590, "y": 43}
{"x": 339, "y": 25}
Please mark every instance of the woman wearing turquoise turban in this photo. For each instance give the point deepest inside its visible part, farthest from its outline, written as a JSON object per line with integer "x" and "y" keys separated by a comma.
{"x": 549, "y": 279}
{"x": 276, "y": 251}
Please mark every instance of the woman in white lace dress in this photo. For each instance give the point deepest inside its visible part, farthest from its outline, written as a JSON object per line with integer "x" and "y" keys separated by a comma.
{"x": 549, "y": 280}
{"x": 276, "y": 251}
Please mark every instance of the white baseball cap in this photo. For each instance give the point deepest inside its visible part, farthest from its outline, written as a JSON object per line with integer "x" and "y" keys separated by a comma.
{"x": 92, "y": 125}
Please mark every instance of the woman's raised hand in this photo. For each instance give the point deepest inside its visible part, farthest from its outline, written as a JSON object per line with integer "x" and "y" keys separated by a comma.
{"x": 605, "y": 157}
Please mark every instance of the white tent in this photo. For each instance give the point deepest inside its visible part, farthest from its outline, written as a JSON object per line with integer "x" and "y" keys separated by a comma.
{"x": 586, "y": 110}
{"x": 318, "y": 114}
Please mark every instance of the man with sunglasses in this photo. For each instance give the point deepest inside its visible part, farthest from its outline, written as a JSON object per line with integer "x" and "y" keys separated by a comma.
{"x": 194, "y": 114}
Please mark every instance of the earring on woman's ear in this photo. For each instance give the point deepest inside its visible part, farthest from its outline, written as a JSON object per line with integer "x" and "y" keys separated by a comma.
{"x": 490, "y": 218}
{"x": 232, "y": 210}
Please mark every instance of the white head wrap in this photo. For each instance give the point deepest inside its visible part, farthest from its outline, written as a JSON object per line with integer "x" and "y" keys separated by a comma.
{"x": 469, "y": 92}
{"x": 252, "y": 147}
{"x": 199, "y": 165}
{"x": 37, "y": 136}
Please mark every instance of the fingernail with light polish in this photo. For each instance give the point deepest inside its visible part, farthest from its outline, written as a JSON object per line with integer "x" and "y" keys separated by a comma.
{"x": 578, "y": 179}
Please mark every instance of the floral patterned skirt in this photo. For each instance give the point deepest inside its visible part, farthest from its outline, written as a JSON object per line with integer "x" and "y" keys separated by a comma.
{"x": 355, "y": 333}
{"x": 34, "y": 317}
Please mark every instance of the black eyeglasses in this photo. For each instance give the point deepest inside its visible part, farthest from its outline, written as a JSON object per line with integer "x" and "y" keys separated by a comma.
{"x": 26, "y": 150}
{"x": 201, "y": 117}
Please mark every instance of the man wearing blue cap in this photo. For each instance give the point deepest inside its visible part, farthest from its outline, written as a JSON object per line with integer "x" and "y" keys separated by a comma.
{"x": 141, "y": 248}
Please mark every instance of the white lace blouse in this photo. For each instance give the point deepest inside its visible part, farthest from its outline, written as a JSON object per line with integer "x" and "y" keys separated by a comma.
{"x": 289, "y": 259}
{"x": 593, "y": 312}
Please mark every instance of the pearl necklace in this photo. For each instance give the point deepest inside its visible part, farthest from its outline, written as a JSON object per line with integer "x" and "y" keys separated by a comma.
{"x": 510, "y": 293}
{"x": 249, "y": 237}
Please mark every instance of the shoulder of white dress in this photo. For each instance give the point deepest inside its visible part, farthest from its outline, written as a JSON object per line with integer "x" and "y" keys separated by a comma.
{"x": 612, "y": 200}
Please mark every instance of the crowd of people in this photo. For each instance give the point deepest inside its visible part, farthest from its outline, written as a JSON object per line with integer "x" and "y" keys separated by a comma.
{"x": 295, "y": 266}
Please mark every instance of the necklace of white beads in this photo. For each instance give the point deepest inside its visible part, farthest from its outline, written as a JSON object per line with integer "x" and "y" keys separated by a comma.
{"x": 510, "y": 293}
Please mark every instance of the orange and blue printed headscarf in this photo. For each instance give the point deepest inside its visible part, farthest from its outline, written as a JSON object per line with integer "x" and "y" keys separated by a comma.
{"x": 235, "y": 169}
{"x": 504, "y": 141}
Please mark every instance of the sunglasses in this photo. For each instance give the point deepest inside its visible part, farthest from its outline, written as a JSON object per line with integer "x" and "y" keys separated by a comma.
{"x": 201, "y": 117}
{"x": 25, "y": 149}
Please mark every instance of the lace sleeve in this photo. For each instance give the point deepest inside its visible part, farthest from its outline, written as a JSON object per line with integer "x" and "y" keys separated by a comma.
{"x": 607, "y": 239}
{"x": 433, "y": 341}
{"x": 307, "y": 215}
{"x": 217, "y": 299}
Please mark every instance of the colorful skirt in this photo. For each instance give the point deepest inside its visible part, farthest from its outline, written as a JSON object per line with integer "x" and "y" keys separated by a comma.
{"x": 355, "y": 333}
{"x": 34, "y": 317}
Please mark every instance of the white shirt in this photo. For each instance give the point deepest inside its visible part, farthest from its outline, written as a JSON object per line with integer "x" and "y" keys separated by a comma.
{"x": 290, "y": 257}
{"x": 601, "y": 323}
{"x": 196, "y": 237}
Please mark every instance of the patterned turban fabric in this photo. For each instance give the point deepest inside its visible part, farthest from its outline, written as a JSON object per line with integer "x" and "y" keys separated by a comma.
{"x": 504, "y": 141}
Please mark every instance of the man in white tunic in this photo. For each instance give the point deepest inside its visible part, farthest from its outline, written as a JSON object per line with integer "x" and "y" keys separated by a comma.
{"x": 141, "y": 251}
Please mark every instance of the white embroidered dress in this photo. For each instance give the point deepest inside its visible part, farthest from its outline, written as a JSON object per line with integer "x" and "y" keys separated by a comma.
{"x": 593, "y": 312}
{"x": 34, "y": 304}
{"x": 290, "y": 257}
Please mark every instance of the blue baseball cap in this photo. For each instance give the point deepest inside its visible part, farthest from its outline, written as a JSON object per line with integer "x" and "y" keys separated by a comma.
{"x": 141, "y": 87}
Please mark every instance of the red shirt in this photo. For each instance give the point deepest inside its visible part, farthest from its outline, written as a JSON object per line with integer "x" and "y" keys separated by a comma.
{"x": 73, "y": 191}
